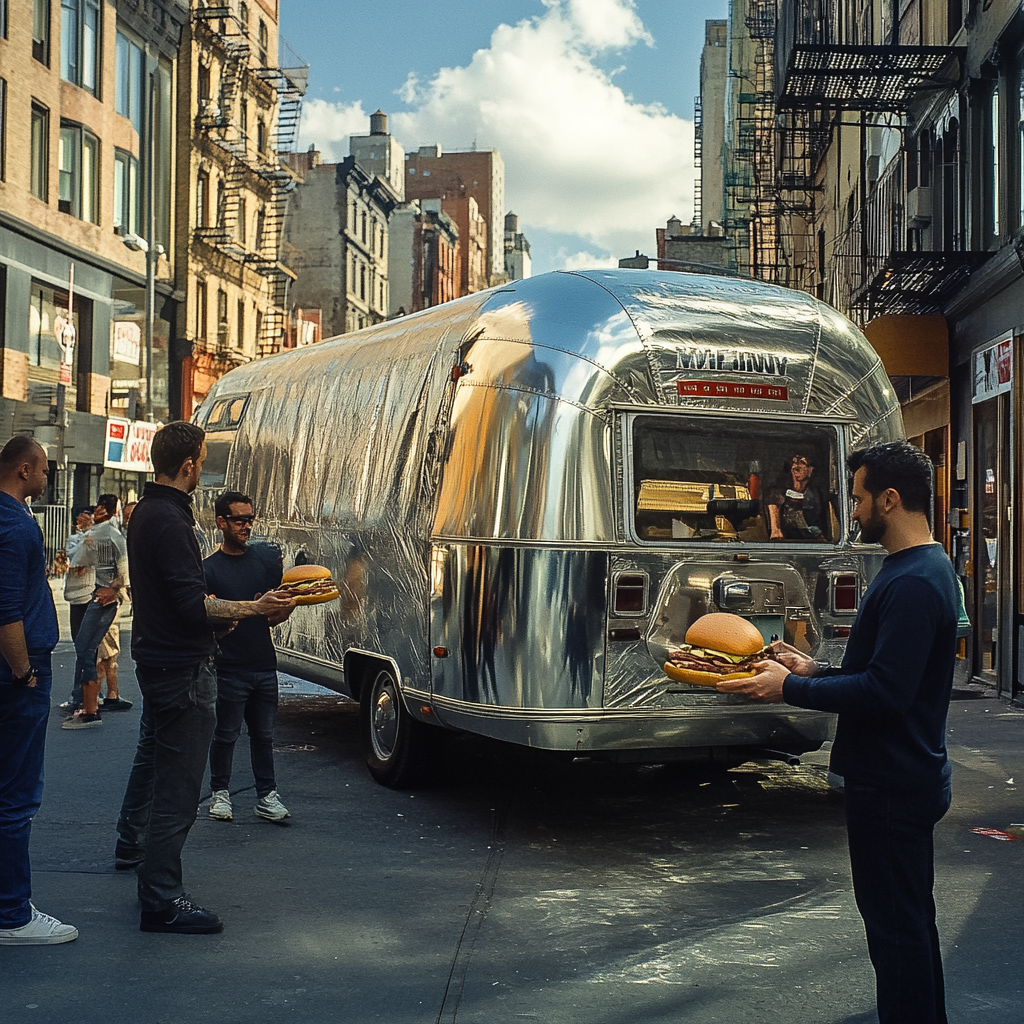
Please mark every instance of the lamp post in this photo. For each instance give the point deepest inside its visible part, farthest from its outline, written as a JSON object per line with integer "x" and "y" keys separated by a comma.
{"x": 138, "y": 244}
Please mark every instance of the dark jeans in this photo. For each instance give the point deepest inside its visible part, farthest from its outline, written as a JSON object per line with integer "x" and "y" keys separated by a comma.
{"x": 251, "y": 696}
{"x": 160, "y": 801}
{"x": 76, "y": 613}
{"x": 23, "y": 714}
{"x": 95, "y": 623}
{"x": 892, "y": 857}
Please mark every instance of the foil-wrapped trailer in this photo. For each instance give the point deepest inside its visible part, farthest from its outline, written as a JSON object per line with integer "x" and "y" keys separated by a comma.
{"x": 527, "y": 495}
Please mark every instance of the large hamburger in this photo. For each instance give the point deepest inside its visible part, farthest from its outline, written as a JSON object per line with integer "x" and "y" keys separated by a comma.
{"x": 309, "y": 584}
{"x": 718, "y": 646}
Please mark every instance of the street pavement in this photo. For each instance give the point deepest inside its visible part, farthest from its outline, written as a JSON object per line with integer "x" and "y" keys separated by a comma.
{"x": 518, "y": 887}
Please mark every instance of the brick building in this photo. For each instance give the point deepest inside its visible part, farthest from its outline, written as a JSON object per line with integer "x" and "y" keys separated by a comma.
{"x": 457, "y": 176}
{"x": 424, "y": 257}
{"x": 86, "y": 151}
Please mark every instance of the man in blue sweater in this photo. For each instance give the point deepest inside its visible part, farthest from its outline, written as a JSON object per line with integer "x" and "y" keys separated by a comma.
{"x": 892, "y": 697}
{"x": 28, "y": 634}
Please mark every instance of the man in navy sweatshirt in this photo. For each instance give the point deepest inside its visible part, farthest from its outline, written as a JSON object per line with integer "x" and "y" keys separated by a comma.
{"x": 892, "y": 697}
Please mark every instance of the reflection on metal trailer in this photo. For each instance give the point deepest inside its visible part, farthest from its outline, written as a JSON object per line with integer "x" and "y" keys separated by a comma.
{"x": 527, "y": 495}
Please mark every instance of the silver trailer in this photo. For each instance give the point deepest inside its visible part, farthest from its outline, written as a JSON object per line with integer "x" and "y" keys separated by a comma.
{"x": 528, "y": 494}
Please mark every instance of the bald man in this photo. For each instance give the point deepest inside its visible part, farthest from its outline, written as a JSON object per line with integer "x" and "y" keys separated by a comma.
{"x": 28, "y": 634}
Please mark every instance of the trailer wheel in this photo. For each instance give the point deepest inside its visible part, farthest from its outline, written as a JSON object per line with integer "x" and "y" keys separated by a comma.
{"x": 398, "y": 749}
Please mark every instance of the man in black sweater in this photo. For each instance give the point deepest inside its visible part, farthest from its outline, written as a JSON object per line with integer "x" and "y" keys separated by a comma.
{"x": 173, "y": 646}
{"x": 892, "y": 697}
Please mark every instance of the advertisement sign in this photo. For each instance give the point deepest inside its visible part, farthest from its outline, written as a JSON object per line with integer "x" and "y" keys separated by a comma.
{"x": 993, "y": 370}
{"x": 127, "y": 445}
{"x": 127, "y": 345}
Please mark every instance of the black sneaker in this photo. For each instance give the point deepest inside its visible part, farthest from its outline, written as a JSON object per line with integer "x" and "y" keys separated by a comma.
{"x": 182, "y": 917}
{"x": 116, "y": 704}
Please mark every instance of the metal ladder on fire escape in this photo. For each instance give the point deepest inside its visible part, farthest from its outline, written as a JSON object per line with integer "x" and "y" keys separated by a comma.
{"x": 290, "y": 84}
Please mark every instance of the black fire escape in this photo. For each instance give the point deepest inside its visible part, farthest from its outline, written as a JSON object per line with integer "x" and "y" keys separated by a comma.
{"x": 256, "y": 167}
{"x": 828, "y": 67}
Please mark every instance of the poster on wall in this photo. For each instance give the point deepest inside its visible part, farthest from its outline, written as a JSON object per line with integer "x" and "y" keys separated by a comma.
{"x": 127, "y": 445}
{"x": 993, "y": 370}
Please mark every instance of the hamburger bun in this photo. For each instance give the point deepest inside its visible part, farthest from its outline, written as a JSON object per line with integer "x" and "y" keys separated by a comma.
{"x": 309, "y": 584}
{"x": 719, "y": 646}
{"x": 725, "y": 632}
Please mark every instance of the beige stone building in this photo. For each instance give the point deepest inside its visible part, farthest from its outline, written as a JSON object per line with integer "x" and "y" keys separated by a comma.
{"x": 87, "y": 95}
{"x": 237, "y": 109}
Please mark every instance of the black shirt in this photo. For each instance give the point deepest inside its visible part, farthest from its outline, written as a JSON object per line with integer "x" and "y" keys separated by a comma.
{"x": 892, "y": 691}
{"x": 170, "y": 628}
{"x": 241, "y": 578}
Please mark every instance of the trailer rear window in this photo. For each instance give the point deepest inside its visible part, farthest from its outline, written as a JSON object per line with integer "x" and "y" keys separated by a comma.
{"x": 732, "y": 480}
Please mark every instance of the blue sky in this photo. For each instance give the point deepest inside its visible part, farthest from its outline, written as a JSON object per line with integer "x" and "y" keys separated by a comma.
{"x": 589, "y": 101}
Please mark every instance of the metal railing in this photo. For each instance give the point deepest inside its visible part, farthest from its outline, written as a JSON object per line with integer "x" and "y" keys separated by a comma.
{"x": 55, "y": 522}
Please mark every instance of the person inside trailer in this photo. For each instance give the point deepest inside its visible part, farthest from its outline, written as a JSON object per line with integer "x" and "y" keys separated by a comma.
{"x": 795, "y": 505}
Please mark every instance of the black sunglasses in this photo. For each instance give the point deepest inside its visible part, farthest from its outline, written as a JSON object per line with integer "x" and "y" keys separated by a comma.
{"x": 241, "y": 520}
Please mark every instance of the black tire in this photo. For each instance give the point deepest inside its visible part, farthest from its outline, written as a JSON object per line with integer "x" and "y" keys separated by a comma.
{"x": 400, "y": 752}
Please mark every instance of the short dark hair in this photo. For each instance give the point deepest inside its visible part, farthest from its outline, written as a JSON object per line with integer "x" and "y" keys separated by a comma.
{"x": 899, "y": 465}
{"x": 222, "y": 506}
{"x": 20, "y": 449}
{"x": 173, "y": 444}
{"x": 109, "y": 502}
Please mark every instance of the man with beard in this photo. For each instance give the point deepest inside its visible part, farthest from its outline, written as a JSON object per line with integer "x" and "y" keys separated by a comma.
{"x": 892, "y": 696}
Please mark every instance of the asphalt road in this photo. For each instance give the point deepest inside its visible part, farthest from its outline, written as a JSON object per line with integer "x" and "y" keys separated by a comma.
{"x": 518, "y": 888}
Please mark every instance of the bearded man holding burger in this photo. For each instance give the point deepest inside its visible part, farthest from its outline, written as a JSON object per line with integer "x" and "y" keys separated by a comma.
{"x": 892, "y": 696}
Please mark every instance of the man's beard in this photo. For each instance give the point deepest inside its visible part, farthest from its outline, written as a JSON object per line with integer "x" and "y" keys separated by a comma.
{"x": 872, "y": 529}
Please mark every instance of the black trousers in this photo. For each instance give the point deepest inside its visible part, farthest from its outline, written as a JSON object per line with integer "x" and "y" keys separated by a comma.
{"x": 893, "y": 862}
{"x": 162, "y": 795}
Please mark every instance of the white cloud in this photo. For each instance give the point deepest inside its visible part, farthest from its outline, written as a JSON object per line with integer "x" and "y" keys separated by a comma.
{"x": 588, "y": 261}
{"x": 328, "y": 125}
{"x": 581, "y": 157}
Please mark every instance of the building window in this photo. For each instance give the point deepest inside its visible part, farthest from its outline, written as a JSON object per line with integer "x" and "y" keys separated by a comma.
{"x": 994, "y": 128}
{"x": 222, "y": 202}
{"x": 243, "y": 117}
{"x": 240, "y": 324}
{"x": 201, "y": 317}
{"x": 243, "y": 17}
{"x": 362, "y": 282}
{"x": 263, "y": 40}
{"x": 77, "y": 160}
{"x": 40, "y": 173}
{"x": 79, "y": 42}
{"x": 126, "y": 193}
{"x": 3, "y": 19}
{"x": 222, "y": 318}
{"x": 240, "y": 226}
{"x": 41, "y": 31}
{"x": 129, "y": 91}
{"x": 3, "y": 126}
{"x": 1020, "y": 146}
{"x": 259, "y": 327}
{"x": 257, "y": 238}
{"x": 261, "y": 136}
{"x": 202, "y": 199}
{"x": 47, "y": 311}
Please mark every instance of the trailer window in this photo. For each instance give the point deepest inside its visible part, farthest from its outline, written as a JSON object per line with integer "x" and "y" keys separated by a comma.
{"x": 734, "y": 480}
{"x": 220, "y": 425}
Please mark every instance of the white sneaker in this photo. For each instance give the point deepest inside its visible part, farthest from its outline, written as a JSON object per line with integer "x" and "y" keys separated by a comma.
{"x": 220, "y": 806}
{"x": 271, "y": 808}
{"x": 41, "y": 930}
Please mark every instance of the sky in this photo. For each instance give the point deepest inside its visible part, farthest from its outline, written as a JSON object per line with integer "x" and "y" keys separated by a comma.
{"x": 589, "y": 101}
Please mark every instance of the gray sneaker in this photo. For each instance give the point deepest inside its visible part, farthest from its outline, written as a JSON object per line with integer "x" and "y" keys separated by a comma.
{"x": 220, "y": 806}
{"x": 271, "y": 808}
{"x": 41, "y": 930}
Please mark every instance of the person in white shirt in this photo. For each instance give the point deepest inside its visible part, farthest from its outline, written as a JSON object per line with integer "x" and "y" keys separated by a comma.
{"x": 104, "y": 547}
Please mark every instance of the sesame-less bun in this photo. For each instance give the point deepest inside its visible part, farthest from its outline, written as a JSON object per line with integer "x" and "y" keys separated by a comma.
{"x": 725, "y": 632}
{"x": 309, "y": 584}
{"x": 718, "y": 647}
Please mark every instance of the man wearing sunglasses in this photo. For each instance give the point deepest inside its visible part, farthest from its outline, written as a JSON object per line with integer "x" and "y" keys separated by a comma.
{"x": 246, "y": 660}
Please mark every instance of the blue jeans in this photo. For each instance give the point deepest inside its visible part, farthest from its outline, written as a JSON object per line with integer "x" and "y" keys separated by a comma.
{"x": 892, "y": 857}
{"x": 251, "y": 696}
{"x": 160, "y": 800}
{"x": 95, "y": 624}
{"x": 23, "y": 715}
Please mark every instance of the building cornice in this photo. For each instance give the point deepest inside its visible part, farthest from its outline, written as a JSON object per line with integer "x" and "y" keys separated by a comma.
{"x": 1004, "y": 268}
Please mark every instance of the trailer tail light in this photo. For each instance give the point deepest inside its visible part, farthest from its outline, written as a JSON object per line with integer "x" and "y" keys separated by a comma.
{"x": 845, "y": 588}
{"x": 630, "y": 593}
